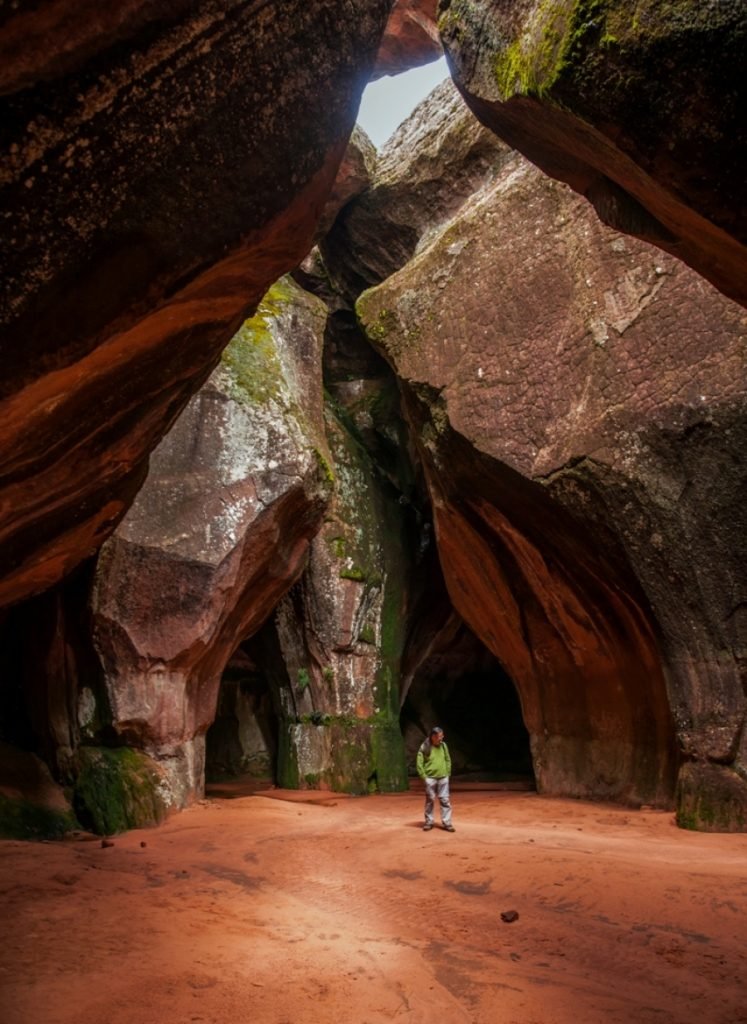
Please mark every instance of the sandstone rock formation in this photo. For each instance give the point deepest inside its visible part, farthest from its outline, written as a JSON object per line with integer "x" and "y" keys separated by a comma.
{"x": 378, "y": 233}
{"x": 341, "y": 632}
{"x": 353, "y": 177}
{"x": 639, "y": 107}
{"x": 216, "y": 536}
{"x": 161, "y": 167}
{"x": 411, "y": 38}
{"x": 315, "y": 696}
{"x": 579, "y": 406}
{"x": 574, "y": 401}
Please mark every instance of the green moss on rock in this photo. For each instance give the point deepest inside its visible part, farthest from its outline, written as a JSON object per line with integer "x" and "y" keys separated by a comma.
{"x": 251, "y": 357}
{"x": 325, "y": 467}
{"x": 390, "y": 766}
{"x": 531, "y": 64}
{"x": 361, "y": 755}
{"x": 117, "y": 789}
{"x": 288, "y": 776}
{"x": 354, "y": 573}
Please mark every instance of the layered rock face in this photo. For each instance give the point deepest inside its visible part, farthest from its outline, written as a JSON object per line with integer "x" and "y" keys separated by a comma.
{"x": 161, "y": 168}
{"x": 639, "y": 107}
{"x": 216, "y": 536}
{"x": 574, "y": 399}
{"x": 578, "y": 401}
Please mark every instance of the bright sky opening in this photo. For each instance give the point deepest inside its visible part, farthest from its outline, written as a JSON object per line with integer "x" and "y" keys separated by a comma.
{"x": 388, "y": 101}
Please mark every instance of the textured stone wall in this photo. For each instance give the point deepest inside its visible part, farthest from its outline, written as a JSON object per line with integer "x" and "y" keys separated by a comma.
{"x": 639, "y": 107}
{"x": 578, "y": 403}
{"x": 216, "y": 536}
{"x": 160, "y": 168}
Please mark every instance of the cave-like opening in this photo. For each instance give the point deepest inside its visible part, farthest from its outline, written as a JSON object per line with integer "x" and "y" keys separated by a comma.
{"x": 242, "y": 741}
{"x": 463, "y": 688}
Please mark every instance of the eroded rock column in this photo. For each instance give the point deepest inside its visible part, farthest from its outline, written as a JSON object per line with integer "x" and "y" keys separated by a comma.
{"x": 218, "y": 533}
{"x": 341, "y": 631}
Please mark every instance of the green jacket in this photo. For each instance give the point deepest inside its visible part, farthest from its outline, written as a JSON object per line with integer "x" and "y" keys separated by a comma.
{"x": 433, "y": 762}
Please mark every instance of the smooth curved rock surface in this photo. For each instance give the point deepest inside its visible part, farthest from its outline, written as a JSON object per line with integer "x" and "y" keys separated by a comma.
{"x": 161, "y": 167}
{"x": 218, "y": 533}
{"x": 639, "y": 107}
{"x": 411, "y": 38}
{"x": 579, "y": 405}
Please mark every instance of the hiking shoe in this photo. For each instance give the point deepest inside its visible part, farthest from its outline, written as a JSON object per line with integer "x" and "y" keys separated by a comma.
{"x": 427, "y": 828}
{"x": 449, "y": 828}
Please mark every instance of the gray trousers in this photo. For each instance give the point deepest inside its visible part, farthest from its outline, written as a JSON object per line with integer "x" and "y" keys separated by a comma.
{"x": 437, "y": 788}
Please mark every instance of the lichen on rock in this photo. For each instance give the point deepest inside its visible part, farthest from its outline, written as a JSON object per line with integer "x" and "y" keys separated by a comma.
{"x": 570, "y": 84}
{"x": 216, "y": 536}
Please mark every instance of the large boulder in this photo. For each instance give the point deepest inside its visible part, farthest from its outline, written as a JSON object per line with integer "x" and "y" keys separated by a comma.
{"x": 578, "y": 401}
{"x": 161, "y": 167}
{"x": 218, "y": 533}
{"x": 639, "y": 107}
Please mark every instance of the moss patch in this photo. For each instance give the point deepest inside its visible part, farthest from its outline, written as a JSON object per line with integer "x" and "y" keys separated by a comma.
{"x": 287, "y": 760}
{"x": 531, "y": 64}
{"x": 325, "y": 467}
{"x": 116, "y": 790}
{"x": 251, "y": 357}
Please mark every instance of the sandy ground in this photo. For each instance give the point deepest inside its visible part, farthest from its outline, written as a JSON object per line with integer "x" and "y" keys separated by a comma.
{"x": 283, "y": 911}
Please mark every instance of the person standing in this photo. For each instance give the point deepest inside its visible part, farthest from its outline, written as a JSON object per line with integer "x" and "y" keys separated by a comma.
{"x": 433, "y": 765}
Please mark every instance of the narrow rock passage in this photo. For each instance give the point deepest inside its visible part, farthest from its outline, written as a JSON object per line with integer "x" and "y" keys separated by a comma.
{"x": 323, "y": 908}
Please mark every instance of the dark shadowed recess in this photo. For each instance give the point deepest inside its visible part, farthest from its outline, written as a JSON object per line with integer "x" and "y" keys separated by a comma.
{"x": 464, "y": 689}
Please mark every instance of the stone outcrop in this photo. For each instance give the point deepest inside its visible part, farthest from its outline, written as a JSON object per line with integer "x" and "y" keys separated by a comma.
{"x": 639, "y": 107}
{"x": 377, "y": 234}
{"x": 160, "y": 169}
{"x": 574, "y": 403}
{"x": 353, "y": 177}
{"x": 313, "y": 700}
{"x": 411, "y": 38}
{"x": 578, "y": 401}
{"x": 218, "y": 533}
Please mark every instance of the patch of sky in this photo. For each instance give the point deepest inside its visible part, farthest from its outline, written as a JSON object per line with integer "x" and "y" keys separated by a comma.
{"x": 388, "y": 101}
